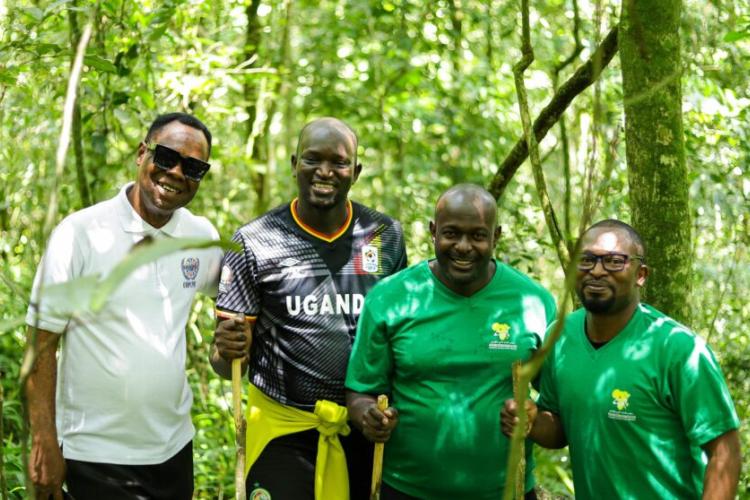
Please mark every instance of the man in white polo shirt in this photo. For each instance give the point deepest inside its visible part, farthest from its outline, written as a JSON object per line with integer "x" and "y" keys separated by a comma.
{"x": 112, "y": 418}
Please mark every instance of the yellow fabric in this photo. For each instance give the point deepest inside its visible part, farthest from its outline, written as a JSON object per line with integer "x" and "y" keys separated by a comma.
{"x": 268, "y": 419}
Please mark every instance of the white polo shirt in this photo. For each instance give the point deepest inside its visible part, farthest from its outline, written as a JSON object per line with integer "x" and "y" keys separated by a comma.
{"x": 122, "y": 391}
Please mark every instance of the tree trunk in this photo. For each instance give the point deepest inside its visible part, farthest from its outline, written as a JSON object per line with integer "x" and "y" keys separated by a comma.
{"x": 83, "y": 184}
{"x": 251, "y": 93}
{"x": 657, "y": 174}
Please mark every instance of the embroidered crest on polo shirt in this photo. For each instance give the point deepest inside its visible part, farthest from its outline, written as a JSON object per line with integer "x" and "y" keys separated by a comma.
{"x": 190, "y": 267}
{"x": 501, "y": 338}
{"x": 621, "y": 401}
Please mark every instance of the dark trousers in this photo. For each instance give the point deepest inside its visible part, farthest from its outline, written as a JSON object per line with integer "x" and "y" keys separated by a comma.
{"x": 388, "y": 493}
{"x": 171, "y": 480}
{"x": 285, "y": 469}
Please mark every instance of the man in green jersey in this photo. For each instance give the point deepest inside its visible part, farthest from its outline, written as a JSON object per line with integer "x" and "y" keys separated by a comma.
{"x": 638, "y": 397}
{"x": 440, "y": 338}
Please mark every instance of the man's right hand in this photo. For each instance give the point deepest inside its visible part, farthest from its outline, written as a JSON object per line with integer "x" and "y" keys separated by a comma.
{"x": 46, "y": 468}
{"x": 377, "y": 425}
{"x": 509, "y": 416}
{"x": 232, "y": 338}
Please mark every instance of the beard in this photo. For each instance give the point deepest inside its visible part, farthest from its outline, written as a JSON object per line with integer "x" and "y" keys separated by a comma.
{"x": 603, "y": 305}
{"x": 597, "y": 305}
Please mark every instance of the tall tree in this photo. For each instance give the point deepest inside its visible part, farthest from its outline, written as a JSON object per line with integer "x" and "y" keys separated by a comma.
{"x": 657, "y": 173}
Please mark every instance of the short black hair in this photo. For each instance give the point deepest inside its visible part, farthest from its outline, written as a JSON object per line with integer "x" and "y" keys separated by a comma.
{"x": 162, "y": 121}
{"x": 634, "y": 236}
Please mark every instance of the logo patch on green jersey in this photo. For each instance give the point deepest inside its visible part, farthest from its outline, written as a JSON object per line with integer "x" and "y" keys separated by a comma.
{"x": 501, "y": 338}
{"x": 621, "y": 400}
{"x": 259, "y": 494}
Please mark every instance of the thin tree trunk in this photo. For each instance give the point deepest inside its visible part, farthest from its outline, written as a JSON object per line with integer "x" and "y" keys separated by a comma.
{"x": 657, "y": 172}
{"x": 83, "y": 185}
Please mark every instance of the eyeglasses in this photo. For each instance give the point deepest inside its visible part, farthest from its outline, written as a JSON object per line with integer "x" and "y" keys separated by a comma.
{"x": 166, "y": 158}
{"x": 612, "y": 262}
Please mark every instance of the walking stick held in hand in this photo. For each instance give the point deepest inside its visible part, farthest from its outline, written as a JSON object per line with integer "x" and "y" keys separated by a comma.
{"x": 519, "y": 394}
{"x": 239, "y": 424}
{"x": 377, "y": 461}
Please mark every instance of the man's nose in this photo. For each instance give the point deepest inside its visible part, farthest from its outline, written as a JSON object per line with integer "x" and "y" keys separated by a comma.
{"x": 463, "y": 244}
{"x": 325, "y": 169}
{"x": 176, "y": 169}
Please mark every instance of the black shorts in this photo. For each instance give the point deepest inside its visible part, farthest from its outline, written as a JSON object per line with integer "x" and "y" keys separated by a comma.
{"x": 286, "y": 467}
{"x": 171, "y": 480}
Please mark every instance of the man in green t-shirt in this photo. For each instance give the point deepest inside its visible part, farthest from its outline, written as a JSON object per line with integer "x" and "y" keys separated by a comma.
{"x": 638, "y": 397}
{"x": 440, "y": 338}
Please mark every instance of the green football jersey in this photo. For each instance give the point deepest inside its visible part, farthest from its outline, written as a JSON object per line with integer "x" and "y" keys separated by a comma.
{"x": 636, "y": 410}
{"x": 446, "y": 361}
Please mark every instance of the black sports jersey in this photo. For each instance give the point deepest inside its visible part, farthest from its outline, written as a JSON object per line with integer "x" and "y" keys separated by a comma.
{"x": 306, "y": 292}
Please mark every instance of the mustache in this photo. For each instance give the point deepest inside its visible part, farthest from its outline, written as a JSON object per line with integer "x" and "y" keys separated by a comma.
{"x": 596, "y": 282}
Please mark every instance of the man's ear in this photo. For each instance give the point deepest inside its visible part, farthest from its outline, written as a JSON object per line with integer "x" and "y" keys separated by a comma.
{"x": 498, "y": 233}
{"x": 433, "y": 230}
{"x": 357, "y": 171}
{"x": 142, "y": 151}
{"x": 642, "y": 275}
{"x": 294, "y": 165}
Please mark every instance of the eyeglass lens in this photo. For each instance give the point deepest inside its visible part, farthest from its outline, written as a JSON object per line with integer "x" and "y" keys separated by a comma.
{"x": 610, "y": 262}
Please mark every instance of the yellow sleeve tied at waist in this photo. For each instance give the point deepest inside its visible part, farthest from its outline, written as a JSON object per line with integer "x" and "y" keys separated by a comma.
{"x": 267, "y": 419}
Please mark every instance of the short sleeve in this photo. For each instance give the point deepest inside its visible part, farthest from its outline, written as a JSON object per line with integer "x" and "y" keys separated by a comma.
{"x": 238, "y": 285}
{"x": 62, "y": 262}
{"x": 548, "y": 399}
{"x": 697, "y": 390}
{"x": 371, "y": 361}
{"x": 402, "y": 260}
{"x": 214, "y": 258}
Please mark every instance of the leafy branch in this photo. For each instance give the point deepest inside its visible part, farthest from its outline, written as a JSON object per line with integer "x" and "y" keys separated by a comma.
{"x": 581, "y": 79}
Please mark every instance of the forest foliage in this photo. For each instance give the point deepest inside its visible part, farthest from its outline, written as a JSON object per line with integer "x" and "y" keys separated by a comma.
{"x": 428, "y": 86}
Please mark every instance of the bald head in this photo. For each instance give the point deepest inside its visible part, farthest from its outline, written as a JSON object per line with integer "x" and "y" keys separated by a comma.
{"x": 326, "y": 126}
{"x": 469, "y": 195}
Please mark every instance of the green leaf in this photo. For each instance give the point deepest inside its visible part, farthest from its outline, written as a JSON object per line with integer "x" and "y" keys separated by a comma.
{"x": 8, "y": 77}
{"x": 54, "y": 6}
{"x": 148, "y": 253}
{"x": 147, "y": 98}
{"x": 72, "y": 297}
{"x": 734, "y": 36}
{"x": 11, "y": 323}
{"x": 100, "y": 64}
{"x": 43, "y": 48}
{"x": 34, "y": 12}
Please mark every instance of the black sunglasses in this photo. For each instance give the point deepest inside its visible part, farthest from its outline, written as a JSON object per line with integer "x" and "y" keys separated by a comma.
{"x": 166, "y": 158}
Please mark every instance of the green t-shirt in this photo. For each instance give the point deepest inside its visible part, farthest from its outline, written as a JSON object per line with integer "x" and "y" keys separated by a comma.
{"x": 637, "y": 410}
{"x": 445, "y": 359}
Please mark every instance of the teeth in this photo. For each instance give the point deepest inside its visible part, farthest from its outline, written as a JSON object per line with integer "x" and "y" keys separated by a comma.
{"x": 169, "y": 188}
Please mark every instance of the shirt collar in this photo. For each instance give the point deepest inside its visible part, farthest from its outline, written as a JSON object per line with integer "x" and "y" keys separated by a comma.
{"x": 133, "y": 223}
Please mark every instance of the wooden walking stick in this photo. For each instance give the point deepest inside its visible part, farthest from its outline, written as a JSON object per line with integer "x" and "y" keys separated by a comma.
{"x": 239, "y": 425}
{"x": 377, "y": 460}
{"x": 519, "y": 393}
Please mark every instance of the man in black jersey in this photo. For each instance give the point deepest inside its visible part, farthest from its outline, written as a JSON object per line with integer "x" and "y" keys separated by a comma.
{"x": 297, "y": 289}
